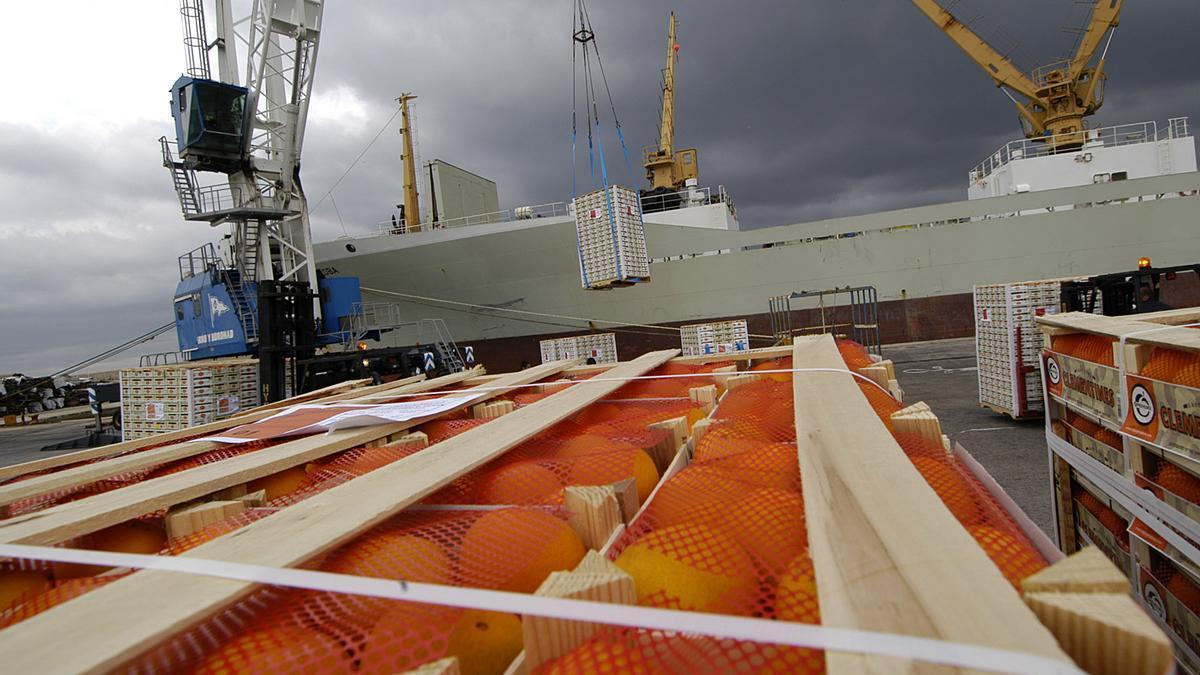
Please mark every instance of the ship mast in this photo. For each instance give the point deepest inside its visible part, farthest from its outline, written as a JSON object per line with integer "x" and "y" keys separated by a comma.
{"x": 412, "y": 212}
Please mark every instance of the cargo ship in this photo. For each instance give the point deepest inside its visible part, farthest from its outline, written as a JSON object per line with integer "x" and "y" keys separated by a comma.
{"x": 505, "y": 280}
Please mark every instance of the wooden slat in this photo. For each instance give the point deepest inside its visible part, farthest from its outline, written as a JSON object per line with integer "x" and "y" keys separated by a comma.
{"x": 15, "y": 470}
{"x": 1164, "y": 334}
{"x": 331, "y": 390}
{"x": 89, "y": 473}
{"x": 113, "y": 624}
{"x": 748, "y": 355}
{"x": 72, "y": 519}
{"x": 888, "y": 555}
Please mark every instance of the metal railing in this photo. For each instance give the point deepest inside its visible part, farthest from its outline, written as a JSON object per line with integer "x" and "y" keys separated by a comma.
{"x": 399, "y": 225}
{"x": 1107, "y": 137}
{"x": 682, "y": 199}
{"x": 219, "y": 197}
{"x": 198, "y": 261}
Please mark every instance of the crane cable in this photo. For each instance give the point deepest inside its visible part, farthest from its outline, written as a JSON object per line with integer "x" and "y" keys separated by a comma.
{"x": 102, "y": 356}
{"x": 584, "y": 35}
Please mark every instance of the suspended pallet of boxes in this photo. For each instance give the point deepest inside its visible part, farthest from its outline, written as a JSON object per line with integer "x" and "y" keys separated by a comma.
{"x": 157, "y": 399}
{"x": 611, "y": 239}
{"x": 601, "y": 347}
{"x": 639, "y": 527}
{"x": 723, "y": 337}
{"x": 1008, "y": 344}
{"x": 1123, "y": 429}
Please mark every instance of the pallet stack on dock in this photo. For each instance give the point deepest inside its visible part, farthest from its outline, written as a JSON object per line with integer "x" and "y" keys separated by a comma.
{"x": 678, "y": 492}
{"x": 1008, "y": 344}
{"x": 156, "y": 399}
{"x": 599, "y": 346}
{"x": 722, "y": 337}
{"x": 611, "y": 238}
{"x": 1122, "y": 428}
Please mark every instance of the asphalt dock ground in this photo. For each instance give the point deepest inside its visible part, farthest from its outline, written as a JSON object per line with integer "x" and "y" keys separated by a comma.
{"x": 942, "y": 373}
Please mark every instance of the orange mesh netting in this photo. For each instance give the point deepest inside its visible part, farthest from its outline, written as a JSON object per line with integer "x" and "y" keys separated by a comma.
{"x": 724, "y": 535}
{"x": 1089, "y": 428}
{"x": 291, "y": 631}
{"x": 1171, "y": 365}
{"x": 1178, "y": 583}
{"x": 1110, "y": 519}
{"x": 1094, "y": 348}
{"x": 1177, "y": 481}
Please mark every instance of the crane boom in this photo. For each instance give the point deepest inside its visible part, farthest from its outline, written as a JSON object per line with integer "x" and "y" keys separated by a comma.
{"x": 412, "y": 212}
{"x": 1106, "y": 15}
{"x": 1058, "y": 96}
{"x": 997, "y": 66}
{"x": 666, "y": 169}
{"x": 666, "y": 125}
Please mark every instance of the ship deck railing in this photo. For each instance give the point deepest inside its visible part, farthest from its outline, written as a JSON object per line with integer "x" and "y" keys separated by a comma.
{"x": 1102, "y": 137}
{"x": 686, "y": 198}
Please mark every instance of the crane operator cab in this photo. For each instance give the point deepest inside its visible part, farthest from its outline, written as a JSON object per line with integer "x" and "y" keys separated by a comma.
{"x": 211, "y": 123}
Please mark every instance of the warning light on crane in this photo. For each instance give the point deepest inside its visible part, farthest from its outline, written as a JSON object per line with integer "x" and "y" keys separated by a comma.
{"x": 1143, "y": 263}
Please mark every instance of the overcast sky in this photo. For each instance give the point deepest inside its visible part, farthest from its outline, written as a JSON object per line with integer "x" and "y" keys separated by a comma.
{"x": 803, "y": 110}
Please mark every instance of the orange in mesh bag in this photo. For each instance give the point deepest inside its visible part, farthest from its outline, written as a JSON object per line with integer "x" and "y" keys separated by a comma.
{"x": 31, "y": 604}
{"x": 515, "y": 549}
{"x": 284, "y": 649}
{"x": 1171, "y": 365}
{"x": 129, "y": 537}
{"x": 778, "y": 364}
{"x": 1094, "y": 348}
{"x": 693, "y": 567}
{"x": 855, "y": 355}
{"x": 1178, "y": 481}
{"x": 18, "y": 585}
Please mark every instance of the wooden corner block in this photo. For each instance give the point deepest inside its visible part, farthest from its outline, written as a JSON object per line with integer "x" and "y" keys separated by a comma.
{"x": 254, "y": 499}
{"x": 738, "y": 380}
{"x": 879, "y": 374}
{"x": 896, "y": 390}
{"x": 1087, "y": 571}
{"x": 593, "y": 512}
{"x": 627, "y": 498}
{"x": 919, "y": 419}
{"x": 415, "y": 438}
{"x": 947, "y": 444}
{"x": 194, "y": 517}
{"x": 891, "y": 368}
{"x": 664, "y": 451}
{"x": 547, "y": 639}
{"x": 446, "y": 666}
{"x": 1104, "y": 633}
{"x": 706, "y": 396}
{"x": 721, "y": 375}
{"x": 492, "y": 409}
{"x": 699, "y": 429}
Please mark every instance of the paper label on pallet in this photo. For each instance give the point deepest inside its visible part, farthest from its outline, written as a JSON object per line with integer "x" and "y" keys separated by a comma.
{"x": 317, "y": 418}
{"x": 1089, "y": 385}
{"x": 1101, "y": 452}
{"x": 227, "y": 405}
{"x": 1165, "y": 414}
{"x": 155, "y": 411}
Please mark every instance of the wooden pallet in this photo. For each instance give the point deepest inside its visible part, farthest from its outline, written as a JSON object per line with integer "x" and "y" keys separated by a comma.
{"x": 888, "y": 554}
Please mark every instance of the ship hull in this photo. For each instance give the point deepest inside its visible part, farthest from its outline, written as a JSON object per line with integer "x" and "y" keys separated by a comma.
{"x": 519, "y": 282}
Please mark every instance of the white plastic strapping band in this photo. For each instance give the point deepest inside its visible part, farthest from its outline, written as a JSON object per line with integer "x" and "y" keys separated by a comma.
{"x": 714, "y": 625}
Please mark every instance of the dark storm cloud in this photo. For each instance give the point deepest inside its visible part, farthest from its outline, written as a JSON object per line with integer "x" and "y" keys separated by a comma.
{"x": 804, "y": 110}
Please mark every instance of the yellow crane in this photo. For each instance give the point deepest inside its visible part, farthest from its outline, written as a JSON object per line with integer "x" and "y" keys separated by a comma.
{"x": 1056, "y": 96}
{"x": 666, "y": 169}
{"x": 412, "y": 211}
